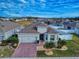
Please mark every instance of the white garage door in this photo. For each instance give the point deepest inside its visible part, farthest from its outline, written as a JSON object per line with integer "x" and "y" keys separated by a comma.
{"x": 27, "y": 39}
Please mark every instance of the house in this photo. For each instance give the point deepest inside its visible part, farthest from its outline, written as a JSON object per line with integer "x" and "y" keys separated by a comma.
{"x": 37, "y": 32}
{"x": 77, "y": 28}
{"x": 8, "y": 28}
{"x": 64, "y": 29}
{"x": 64, "y": 36}
{"x": 69, "y": 25}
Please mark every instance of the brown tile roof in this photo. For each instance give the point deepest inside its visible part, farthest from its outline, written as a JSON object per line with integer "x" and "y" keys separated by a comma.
{"x": 31, "y": 29}
{"x": 42, "y": 24}
{"x": 50, "y": 30}
{"x": 8, "y": 25}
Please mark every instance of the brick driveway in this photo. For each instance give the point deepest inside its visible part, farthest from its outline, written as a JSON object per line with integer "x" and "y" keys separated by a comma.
{"x": 25, "y": 50}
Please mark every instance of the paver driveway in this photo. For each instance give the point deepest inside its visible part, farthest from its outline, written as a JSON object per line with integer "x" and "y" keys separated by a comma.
{"x": 25, "y": 50}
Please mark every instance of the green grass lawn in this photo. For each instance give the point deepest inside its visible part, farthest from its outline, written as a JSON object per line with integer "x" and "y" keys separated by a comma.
{"x": 5, "y": 51}
{"x": 75, "y": 38}
{"x": 73, "y": 50}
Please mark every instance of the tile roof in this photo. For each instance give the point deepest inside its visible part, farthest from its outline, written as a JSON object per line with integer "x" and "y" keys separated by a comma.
{"x": 50, "y": 30}
{"x": 33, "y": 28}
{"x": 7, "y": 25}
{"x": 73, "y": 24}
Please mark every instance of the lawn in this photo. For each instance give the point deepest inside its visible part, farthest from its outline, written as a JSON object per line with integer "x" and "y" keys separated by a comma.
{"x": 24, "y": 22}
{"x": 5, "y": 51}
{"x": 75, "y": 38}
{"x": 73, "y": 49}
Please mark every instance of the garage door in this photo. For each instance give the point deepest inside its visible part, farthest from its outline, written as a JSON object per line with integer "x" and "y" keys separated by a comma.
{"x": 27, "y": 39}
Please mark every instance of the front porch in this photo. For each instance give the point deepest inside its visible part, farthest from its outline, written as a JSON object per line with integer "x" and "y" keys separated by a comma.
{"x": 47, "y": 38}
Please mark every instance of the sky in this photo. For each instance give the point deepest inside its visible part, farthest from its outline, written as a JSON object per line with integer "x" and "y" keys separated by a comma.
{"x": 39, "y": 8}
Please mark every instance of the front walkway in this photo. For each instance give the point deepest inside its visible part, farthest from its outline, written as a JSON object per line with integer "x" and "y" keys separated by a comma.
{"x": 25, "y": 50}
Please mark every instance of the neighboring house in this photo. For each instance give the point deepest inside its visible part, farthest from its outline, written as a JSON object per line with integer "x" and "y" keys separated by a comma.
{"x": 69, "y": 25}
{"x": 55, "y": 26}
{"x": 64, "y": 36}
{"x": 64, "y": 29}
{"x": 37, "y": 32}
{"x": 8, "y": 28}
{"x": 77, "y": 28}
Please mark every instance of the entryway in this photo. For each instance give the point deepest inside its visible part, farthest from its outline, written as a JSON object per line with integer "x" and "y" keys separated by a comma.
{"x": 42, "y": 37}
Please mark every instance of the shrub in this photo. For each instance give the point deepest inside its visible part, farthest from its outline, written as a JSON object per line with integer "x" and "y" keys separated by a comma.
{"x": 61, "y": 43}
{"x": 4, "y": 43}
{"x": 13, "y": 39}
{"x": 49, "y": 45}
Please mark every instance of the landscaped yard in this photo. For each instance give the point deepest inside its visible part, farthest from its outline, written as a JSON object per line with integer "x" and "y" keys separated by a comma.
{"x": 24, "y": 22}
{"x": 73, "y": 50}
{"x": 5, "y": 51}
{"x": 75, "y": 38}
{"x": 7, "y": 46}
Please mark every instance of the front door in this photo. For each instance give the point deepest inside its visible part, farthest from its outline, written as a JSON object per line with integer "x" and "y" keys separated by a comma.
{"x": 42, "y": 37}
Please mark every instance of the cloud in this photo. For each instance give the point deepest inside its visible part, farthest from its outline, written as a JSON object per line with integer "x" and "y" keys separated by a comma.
{"x": 23, "y": 1}
{"x": 39, "y": 7}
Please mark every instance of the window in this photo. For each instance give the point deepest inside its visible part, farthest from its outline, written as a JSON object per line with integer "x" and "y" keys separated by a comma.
{"x": 69, "y": 27}
{"x": 52, "y": 37}
{"x": 46, "y": 37}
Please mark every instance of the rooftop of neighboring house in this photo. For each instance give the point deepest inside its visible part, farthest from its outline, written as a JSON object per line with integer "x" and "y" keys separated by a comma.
{"x": 33, "y": 28}
{"x": 7, "y": 25}
{"x": 68, "y": 23}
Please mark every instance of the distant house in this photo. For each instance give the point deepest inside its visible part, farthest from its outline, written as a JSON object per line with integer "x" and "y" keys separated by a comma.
{"x": 37, "y": 32}
{"x": 64, "y": 29}
{"x": 8, "y": 28}
{"x": 69, "y": 25}
{"x": 77, "y": 28}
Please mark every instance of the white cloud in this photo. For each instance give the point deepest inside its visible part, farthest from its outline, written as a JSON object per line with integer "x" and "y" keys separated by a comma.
{"x": 23, "y": 1}
{"x": 43, "y": 0}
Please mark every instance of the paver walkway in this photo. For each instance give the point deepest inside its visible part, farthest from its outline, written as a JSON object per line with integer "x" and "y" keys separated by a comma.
{"x": 25, "y": 50}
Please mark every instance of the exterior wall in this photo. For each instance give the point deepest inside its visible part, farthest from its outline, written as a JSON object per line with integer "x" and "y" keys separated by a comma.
{"x": 77, "y": 31}
{"x": 65, "y": 36}
{"x": 67, "y": 31}
{"x": 42, "y": 29}
{"x": 8, "y": 34}
{"x": 56, "y": 27}
{"x": 28, "y": 37}
{"x": 49, "y": 36}
{"x": 11, "y": 32}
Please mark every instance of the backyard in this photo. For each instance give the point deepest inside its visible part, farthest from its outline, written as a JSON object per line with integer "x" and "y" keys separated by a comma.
{"x": 73, "y": 49}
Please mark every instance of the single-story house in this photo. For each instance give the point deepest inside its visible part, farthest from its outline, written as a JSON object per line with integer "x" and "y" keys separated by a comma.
{"x": 55, "y": 26}
{"x": 64, "y": 33}
{"x": 77, "y": 28}
{"x": 64, "y": 36}
{"x": 37, "y": 32}
{"x": 8, "y": 28}
{"x": 69, "y": 25}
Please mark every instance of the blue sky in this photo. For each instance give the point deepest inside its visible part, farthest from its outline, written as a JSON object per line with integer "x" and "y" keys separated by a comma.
{"x": 39, "y": 8}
